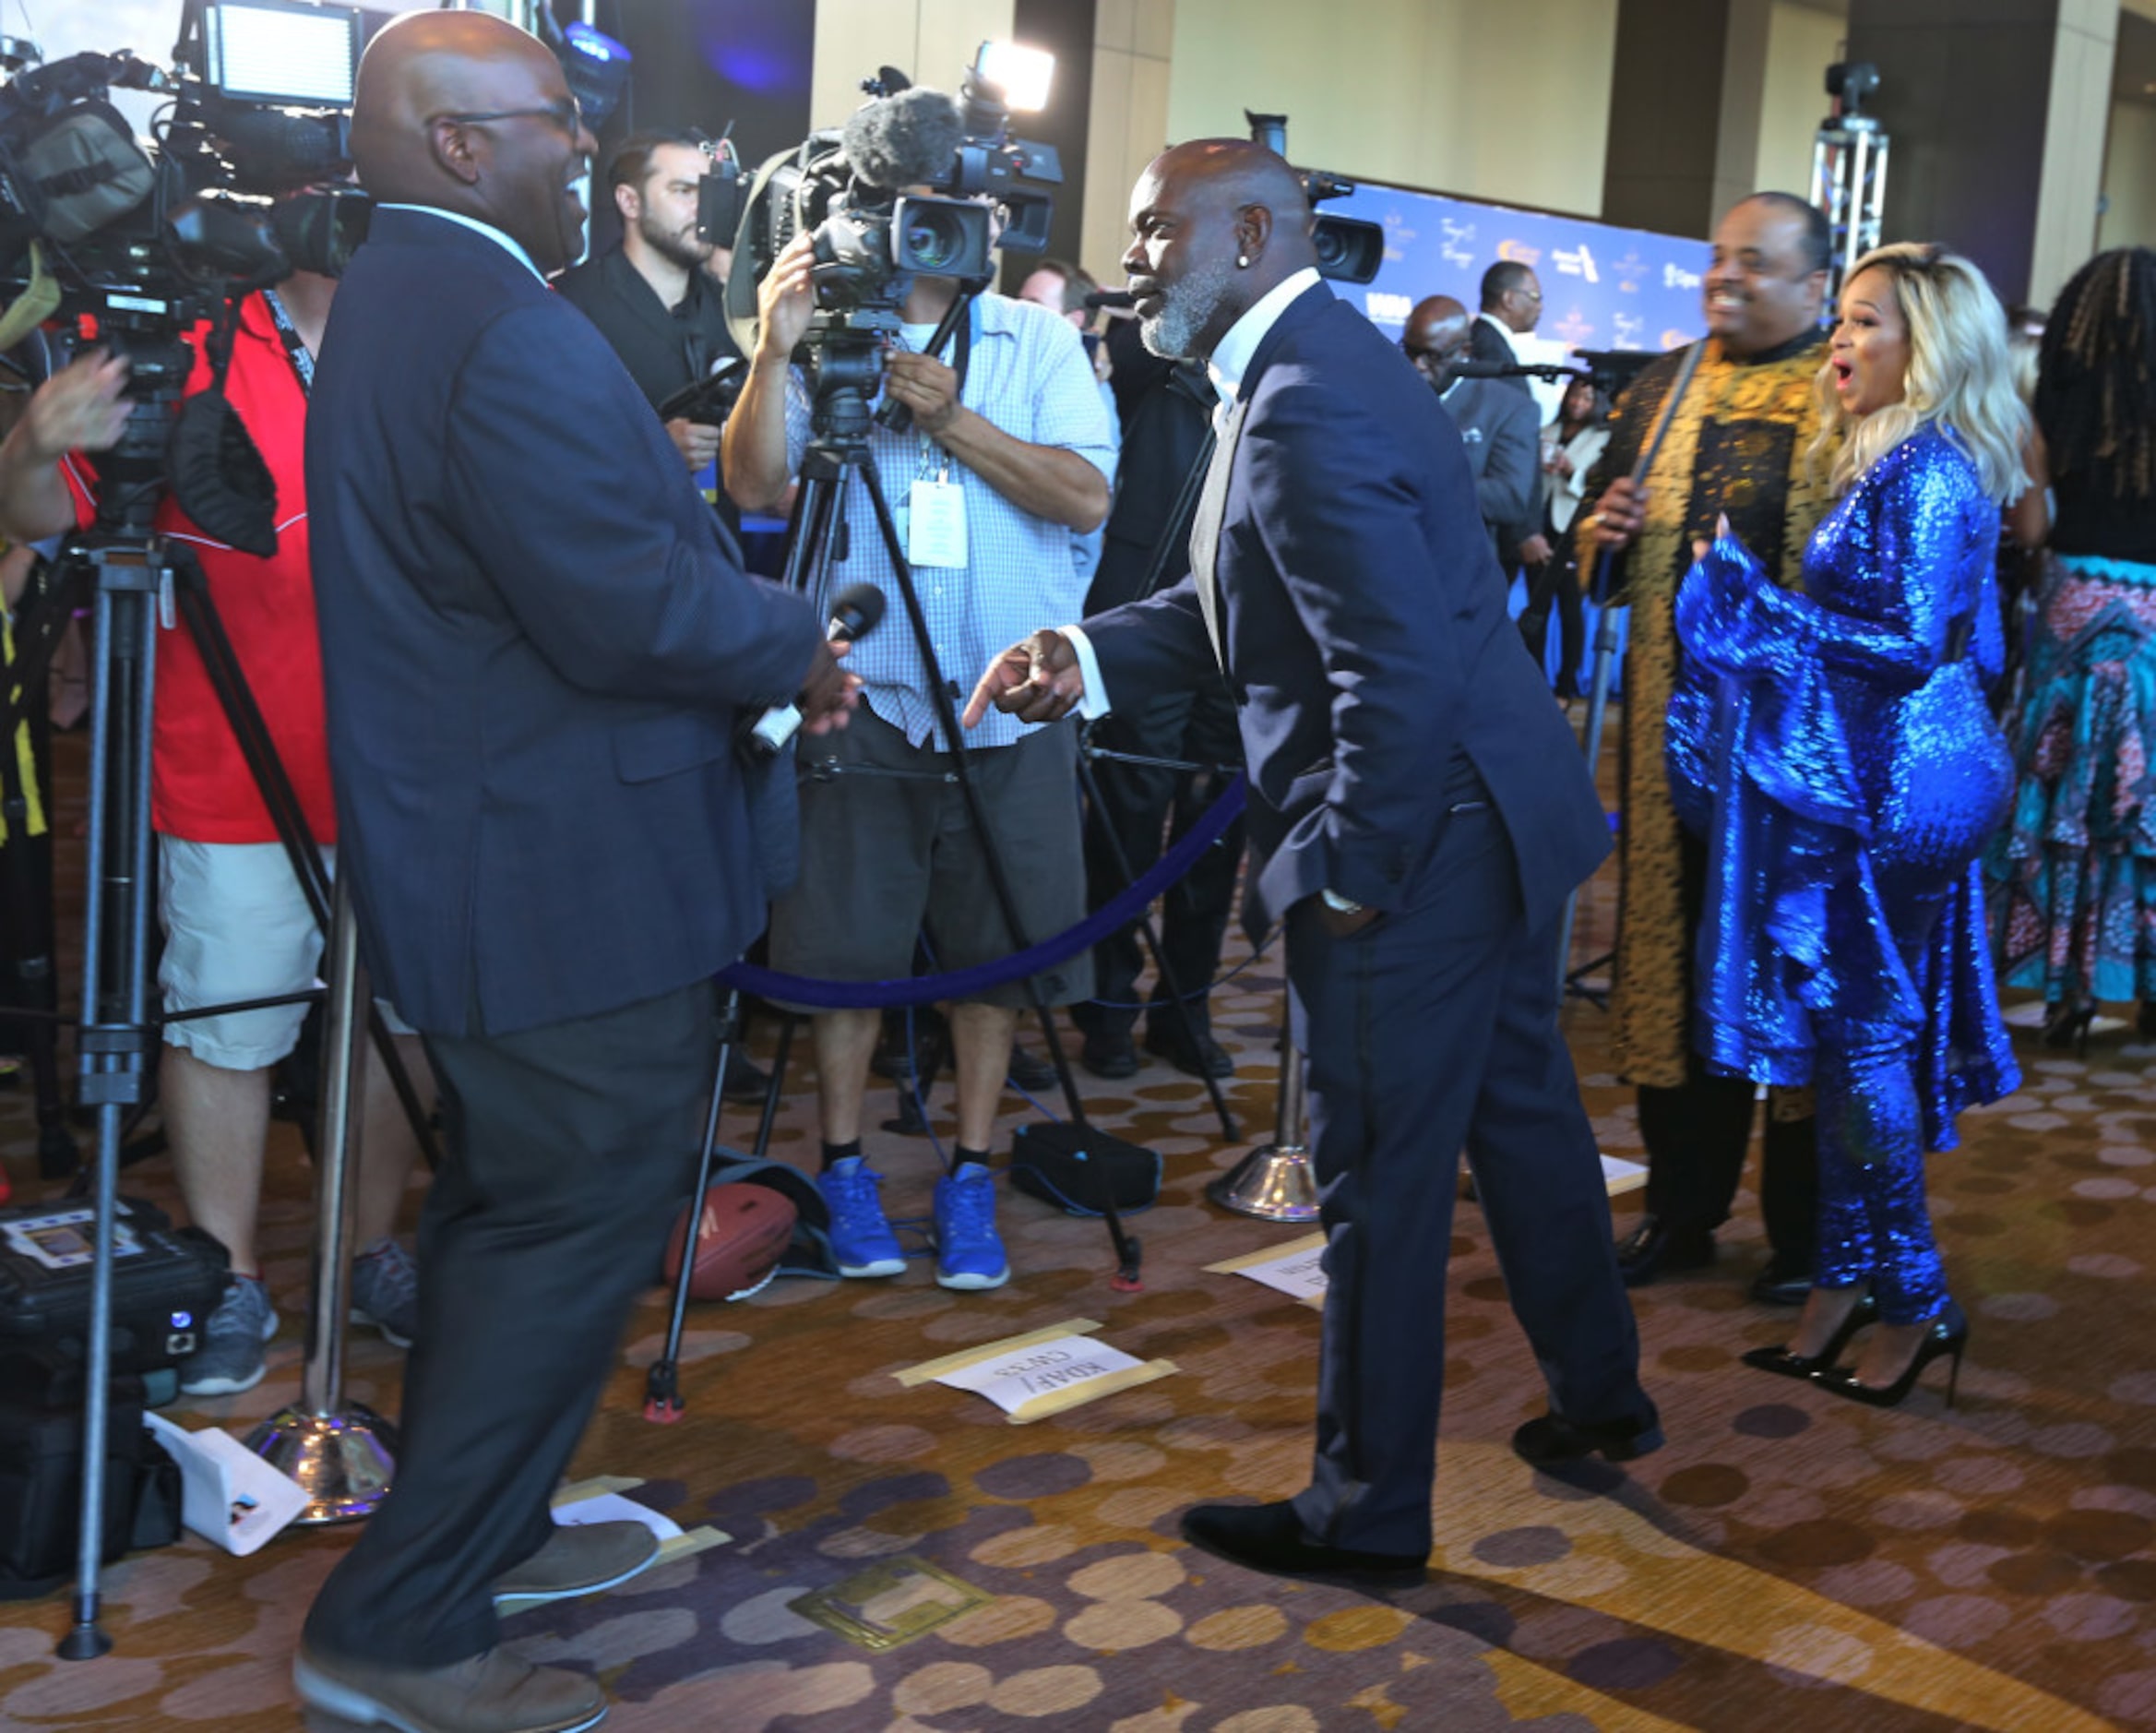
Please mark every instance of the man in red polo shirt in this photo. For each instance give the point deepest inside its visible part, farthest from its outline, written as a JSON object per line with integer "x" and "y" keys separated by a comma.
{"x": 237, "y": 924}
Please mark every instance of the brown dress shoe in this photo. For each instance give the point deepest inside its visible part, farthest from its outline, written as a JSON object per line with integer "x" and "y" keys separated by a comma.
{"x": 493, "y": 1692}
{"x": 579, "y": 1559}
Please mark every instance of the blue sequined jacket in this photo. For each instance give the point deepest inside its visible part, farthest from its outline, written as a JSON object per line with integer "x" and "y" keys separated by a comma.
{"x": 1832, "y": 744}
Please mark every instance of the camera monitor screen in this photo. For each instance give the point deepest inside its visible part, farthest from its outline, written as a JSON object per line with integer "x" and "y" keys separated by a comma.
{"x": 279, "y": 51}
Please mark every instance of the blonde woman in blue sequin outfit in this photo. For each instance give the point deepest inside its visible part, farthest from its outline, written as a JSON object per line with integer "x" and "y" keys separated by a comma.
{"x": 1833, "y": 744}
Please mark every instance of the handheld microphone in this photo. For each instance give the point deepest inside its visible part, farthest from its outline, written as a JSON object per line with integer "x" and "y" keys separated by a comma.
{"x": 1117, "y": 299}
{"x": 854, "y": 613}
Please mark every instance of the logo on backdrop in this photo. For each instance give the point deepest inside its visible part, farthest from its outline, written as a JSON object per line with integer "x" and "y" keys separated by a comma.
{"x": 1629, "y": 283}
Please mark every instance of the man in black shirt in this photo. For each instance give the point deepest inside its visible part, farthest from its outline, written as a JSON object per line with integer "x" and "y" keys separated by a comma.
{"x": 650, "y": 294}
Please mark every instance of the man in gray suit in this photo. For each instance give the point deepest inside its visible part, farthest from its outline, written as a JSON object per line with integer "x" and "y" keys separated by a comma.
{"x": 1496, "y": 424}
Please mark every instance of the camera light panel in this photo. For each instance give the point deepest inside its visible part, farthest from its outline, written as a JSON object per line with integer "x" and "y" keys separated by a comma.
{"x": 277, "y": 50}
{"x": 1022, "y": 73}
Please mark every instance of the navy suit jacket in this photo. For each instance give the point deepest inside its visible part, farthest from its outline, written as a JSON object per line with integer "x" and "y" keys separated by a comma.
{"x": 534, "y": 651}
{"x": 1503, "y": 441}
{"x": 1364, "y": 632}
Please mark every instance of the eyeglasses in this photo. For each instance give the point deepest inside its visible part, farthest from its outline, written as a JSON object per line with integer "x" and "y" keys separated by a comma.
{"x": 568, "y": 114}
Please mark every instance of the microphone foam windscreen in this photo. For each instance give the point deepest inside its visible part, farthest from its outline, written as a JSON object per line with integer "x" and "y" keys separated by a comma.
{"x": 861, "y": 607}
{"x": 905, "y": 139}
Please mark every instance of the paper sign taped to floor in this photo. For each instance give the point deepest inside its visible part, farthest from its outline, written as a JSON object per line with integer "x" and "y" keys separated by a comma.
{"x": 1043, "y": 1372}
{"x": 599, "y": 1500}
{"x": 1619, "y": 1174}
{"x": 1296, "y": 1269}
{"x": 612, "y": 1507}
{"x": 229, "y": 1494}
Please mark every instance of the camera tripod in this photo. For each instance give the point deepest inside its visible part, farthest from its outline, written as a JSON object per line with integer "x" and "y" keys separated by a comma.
{"x": 131, "y": 574}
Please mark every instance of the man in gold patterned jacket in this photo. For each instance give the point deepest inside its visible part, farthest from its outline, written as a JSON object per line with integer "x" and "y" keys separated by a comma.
{"x": 1738, "y": 445}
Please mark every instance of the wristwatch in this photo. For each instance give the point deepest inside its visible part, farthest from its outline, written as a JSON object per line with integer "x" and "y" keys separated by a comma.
{"x": 1339, "y": 905}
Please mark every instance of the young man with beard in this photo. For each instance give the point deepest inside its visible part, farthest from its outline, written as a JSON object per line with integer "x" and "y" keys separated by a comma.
{"x": 1418, "y": 815}
{"x": 1736, "y": 445}
{"x": 650, "y": 294}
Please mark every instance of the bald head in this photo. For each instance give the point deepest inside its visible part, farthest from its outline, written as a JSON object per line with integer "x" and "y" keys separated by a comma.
{"x": 464, "y": 111}
{"x": 1215, "y": 225}
{"x": 1435, "y": 336}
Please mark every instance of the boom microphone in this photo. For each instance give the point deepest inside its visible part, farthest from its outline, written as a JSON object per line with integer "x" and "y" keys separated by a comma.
{"x": 1466, "y": 369}
{"x": 854, "y": 613}
{"x": 904, "y": 140}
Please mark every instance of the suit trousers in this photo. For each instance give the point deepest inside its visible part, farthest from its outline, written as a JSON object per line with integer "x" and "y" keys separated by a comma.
{"x": 1147, "y": 810}
{"x": 1432, "y": 1030}
{"x": 1698, "y": 1133}
{"x": 568, "y": 1151}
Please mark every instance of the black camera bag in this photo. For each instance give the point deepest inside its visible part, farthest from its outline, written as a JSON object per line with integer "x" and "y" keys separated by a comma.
{"x": 166, "y": 1282}
{"x": 41, "y": 1476}
{"x": 1072, "y": 1169}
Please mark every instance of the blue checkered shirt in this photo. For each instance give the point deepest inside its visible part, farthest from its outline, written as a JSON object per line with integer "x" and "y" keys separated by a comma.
{"x": 1029, "y": 376}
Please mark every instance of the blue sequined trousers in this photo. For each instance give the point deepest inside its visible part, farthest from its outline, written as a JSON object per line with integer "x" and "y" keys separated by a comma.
{"x": 1832, "y": 744}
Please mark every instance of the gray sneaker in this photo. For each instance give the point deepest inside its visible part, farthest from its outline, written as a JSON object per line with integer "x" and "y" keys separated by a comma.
{"x": 385, "y": 1291}
{"x": 230, "y": 1358}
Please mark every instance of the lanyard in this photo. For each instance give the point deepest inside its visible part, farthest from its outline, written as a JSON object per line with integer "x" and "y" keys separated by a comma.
{"x": 295, "y": 347}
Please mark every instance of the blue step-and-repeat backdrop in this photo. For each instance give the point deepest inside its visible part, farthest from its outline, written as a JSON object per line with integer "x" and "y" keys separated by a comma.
{"x": 1602, "y": 287}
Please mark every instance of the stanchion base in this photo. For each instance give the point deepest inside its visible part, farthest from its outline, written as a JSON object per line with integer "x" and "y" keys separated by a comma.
{"x": 84, "y": 1642}
{"x": 345, "y": 1460}
{"x": 1274, "y": 1184}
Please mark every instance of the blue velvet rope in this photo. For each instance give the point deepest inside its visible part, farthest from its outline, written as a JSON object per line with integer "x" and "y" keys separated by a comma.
{"x": 925, "y": 989}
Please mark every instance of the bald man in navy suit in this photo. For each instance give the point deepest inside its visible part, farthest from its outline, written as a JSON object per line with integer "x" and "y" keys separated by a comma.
{"x": 1419, "y": 812}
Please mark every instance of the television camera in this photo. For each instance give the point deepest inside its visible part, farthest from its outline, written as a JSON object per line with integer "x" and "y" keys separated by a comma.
{"x": 855, "y": 189}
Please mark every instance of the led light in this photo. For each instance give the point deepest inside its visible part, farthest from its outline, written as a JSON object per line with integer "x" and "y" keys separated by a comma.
{"x": 1022, "y": 73}
{"x": 277, "y": 52}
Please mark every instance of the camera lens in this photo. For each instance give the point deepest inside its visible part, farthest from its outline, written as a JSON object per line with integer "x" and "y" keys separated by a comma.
{"x": 932, "y": 240}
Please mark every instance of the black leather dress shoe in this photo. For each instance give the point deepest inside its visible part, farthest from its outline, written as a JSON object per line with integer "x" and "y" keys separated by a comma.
{"x": 1656, "y": 1248}
{"x": 1554, "y": 1439}
{"x": 1110, "y": 1054}
{"x": 1197, "y": 1055}
{"x": 1269, "y": 1537}
{"x": 1784, "y": 1282}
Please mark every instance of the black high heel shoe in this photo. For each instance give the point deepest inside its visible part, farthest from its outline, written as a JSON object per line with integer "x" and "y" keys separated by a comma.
{"x": 2067, "y": 1026}
{"x": 1780, "y": 1359}
{"x": 1947, "y": 1335}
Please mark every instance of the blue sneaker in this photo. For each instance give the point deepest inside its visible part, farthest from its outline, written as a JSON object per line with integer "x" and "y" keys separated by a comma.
{"x": 861, "y": 1240}
{"x": 968, "y": 1252}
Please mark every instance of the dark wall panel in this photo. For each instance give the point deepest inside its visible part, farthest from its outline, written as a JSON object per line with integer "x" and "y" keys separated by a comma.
{"x": 704, "y": 62}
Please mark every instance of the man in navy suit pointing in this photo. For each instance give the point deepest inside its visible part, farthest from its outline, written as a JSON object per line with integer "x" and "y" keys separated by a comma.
{"x": 1419, "y": 812}
{"x": 536, "y": 655}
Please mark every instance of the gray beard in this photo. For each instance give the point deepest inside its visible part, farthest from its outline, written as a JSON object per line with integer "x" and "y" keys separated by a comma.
{"x": 1186, "y": 310}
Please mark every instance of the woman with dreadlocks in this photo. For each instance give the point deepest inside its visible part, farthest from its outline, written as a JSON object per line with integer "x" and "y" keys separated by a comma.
{"x": 2078, "y": 917}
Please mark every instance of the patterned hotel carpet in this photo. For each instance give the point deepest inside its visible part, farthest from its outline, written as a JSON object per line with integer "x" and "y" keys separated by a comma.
{"x": 1787, "y": 1561}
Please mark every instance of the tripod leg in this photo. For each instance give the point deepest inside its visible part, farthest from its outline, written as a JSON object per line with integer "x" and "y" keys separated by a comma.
{"x": 114, "y": 1037}
{"x": 776, "y": 1088}
{"x": 662, "y": 1403}
{"x": 1598, "y": 703}
{"x": 1230, "y": 1131}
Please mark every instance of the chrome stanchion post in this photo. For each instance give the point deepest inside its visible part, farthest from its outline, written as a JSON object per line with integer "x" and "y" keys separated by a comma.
{"x": 342, "y": 1454}
{"x": 1275, "y": 1183}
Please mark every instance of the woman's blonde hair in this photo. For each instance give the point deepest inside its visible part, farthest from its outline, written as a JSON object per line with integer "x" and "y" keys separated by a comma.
{"x": 1959, "y": 376}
